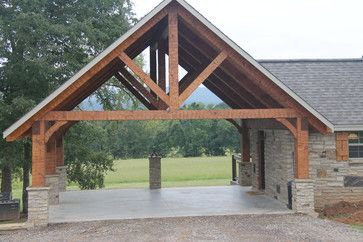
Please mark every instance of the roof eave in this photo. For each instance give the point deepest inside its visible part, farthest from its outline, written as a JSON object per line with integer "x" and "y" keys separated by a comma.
{"x": 348, "y": 127}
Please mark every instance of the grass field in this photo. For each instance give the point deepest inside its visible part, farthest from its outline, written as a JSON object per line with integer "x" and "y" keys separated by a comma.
{"x": 176, "y": 172}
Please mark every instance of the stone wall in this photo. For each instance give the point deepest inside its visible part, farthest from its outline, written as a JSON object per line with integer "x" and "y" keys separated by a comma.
{"x": 38, "y": 205}
{"x": 154, "y": 172}
{"x": 327, "y": 173}
{"x": 62, "y": 172}
{"x": 52, "y": 181}
{"x": 303, "y": 196}
{"x": 279, "y": 163}
{"x": 244, "y": 173}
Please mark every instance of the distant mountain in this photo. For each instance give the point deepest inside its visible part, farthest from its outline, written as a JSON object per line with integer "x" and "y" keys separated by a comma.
{"x": 202, "y": 94}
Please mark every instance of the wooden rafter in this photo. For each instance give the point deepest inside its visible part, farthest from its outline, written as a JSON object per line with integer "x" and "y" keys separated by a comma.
{"x": 144, "y": 77}
{"x": 173, "y": 59}
{"x": 197, "y": 59}
{"x": 250, "y": 71}
{"x": 135, "y": 92}
{"x": 170, "y": 115}
{"x": 203, "y": 76}
{"x": 250, "y": 93}
{"x": 140, "y": 87}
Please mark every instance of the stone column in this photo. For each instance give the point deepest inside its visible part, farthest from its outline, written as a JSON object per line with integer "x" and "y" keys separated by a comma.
{"x": 245, "y": 173}
{"x": 303, "y": 196}
{"x": 38, "y": 205}
{"x": 62, "y": 172}
{"x": 155, "y": 172}
{"x": 52, "y": 182}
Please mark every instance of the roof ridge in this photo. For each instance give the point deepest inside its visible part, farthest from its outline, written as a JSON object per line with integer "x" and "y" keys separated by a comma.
{"x": 310, "y": 60}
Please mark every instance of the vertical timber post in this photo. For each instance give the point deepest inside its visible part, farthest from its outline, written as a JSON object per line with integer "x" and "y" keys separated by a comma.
{"x": 38, "y": 194}
{"x": 38, "y": 154}
{"x": 173, "y": 59}
{"x": 302, "y": 149}
{"x": 302, "y": 186}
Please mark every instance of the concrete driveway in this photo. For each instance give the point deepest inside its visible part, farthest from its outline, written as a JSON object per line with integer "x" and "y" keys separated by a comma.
{"x": 78, "y": 206}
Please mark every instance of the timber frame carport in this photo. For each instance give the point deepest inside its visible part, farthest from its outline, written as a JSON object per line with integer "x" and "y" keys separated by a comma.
{"x": 175, "y": 29}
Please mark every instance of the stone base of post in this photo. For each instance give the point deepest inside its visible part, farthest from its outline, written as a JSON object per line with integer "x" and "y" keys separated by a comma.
{"x": 155, "y": 172}
{"x": 303, "y": 196}
{"x": 62, "y": 172}
{"x": 52, "y": 181}
{"x": 38, "y": 205}
{"x": 245, "y": 173}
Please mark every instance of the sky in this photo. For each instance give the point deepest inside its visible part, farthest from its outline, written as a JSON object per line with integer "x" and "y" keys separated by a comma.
{"x": 284, "y": 29}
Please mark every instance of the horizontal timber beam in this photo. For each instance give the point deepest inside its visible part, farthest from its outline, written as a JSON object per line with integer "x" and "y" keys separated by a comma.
{"x": 170, "y": 115}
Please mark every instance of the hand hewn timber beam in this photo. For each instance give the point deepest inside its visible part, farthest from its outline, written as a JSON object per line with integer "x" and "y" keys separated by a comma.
{"x": 198, "y": 60}
{"x": 144, "y": 77}
{"x": 170, "y": 115}
{"x": 173, "y": 59}
{"x": 39, "y": 154}
{"x": 140, "y": 87}
{"x": 260, "y": 79}
{"x": 135, "y": 92}
{"x": 203, "y": 76}
{"x": 302, "y": 149}
{"x": 288, "y": 125}
{"x": 251, "y": 93}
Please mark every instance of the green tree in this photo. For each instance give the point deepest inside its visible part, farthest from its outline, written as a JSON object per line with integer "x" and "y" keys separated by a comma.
{"x": 87, "y": 155}
{"x": 42, "y": 44}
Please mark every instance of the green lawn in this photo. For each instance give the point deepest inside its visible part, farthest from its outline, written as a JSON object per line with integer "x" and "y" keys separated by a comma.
{"x": 359, "y": 227}
{"x": 176, "y": 172}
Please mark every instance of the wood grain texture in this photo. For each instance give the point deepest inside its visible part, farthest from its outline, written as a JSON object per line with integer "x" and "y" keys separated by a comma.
{"x": 342, "y": 146}
{"x": 173, "y": 59}
{"x": 144, "y": 77}
{"x": 249, "y": 70}
{"x": 136, "y": 93}
{"x": 302, "y": 149}
{"x": 170, "y": 115}
{"x": 38, "y": 154}
{"x": 203, "y": 76}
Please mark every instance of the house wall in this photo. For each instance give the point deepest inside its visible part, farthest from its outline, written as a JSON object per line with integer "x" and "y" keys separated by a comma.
{"x": 327, "y": 173}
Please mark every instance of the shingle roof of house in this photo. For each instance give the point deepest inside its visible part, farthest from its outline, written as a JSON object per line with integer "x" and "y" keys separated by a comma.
{"x": 332, "y": 87}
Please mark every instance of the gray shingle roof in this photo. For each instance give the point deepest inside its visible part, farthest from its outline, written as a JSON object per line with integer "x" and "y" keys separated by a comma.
{"x": 332, "y": 87}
